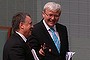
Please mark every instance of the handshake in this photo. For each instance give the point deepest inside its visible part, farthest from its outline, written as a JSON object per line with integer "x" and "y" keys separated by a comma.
{"x": 44, "y": 49}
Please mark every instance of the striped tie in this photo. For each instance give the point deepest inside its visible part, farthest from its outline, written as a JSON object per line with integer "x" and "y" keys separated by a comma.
{"x": 55, "y": 39}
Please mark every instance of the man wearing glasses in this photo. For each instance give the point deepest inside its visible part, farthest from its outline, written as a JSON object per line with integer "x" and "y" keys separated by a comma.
{"x": 49, "y": 38}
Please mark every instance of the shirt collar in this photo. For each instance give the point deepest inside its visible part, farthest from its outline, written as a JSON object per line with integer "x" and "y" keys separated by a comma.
{"x": 23, "y": 37}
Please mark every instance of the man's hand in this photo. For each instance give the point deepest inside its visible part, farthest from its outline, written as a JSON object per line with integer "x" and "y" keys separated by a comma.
{"x": 41, "y": 52}
{"x": 44, "y": 49}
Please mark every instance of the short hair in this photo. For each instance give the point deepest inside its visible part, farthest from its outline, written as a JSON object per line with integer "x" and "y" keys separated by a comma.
{"x": 52, "y": 6}
{"x": 17, "y": 18}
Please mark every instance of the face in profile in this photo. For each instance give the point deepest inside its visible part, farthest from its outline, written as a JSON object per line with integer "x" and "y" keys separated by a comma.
{"x": 28, "y": 26}
{"x": 51, "y": 17}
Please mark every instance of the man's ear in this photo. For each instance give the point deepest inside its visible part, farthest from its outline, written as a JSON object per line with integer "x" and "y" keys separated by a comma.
{"x": 43, "y": 14}
{"x": 21, "y": 26}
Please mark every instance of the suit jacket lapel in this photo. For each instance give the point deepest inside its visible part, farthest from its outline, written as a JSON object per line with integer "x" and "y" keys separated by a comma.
{"x": 49, "y": 39}
{"x": 60, "y": 32}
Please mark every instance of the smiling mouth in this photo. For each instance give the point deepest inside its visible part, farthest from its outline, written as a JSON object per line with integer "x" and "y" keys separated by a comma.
{"x": 52, "y": 22}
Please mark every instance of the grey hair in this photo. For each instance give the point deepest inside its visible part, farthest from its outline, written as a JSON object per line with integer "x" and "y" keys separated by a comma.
{"x": 52, "y": 6}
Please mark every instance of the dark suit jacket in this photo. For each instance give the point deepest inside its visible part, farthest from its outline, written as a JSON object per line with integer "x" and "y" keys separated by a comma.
{"x": 40, "y": 35}
{"x": 16, "y": 49}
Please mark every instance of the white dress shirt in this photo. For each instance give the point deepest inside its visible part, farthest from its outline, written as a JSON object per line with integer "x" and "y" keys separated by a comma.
{"x": 33, "y": 51}
{"x": 23, "y": 37}
{"x": 48, "y": 29}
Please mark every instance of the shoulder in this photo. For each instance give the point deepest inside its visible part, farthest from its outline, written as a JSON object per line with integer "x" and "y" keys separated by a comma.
{"x": 38, "y": 26}
{"x": 11, "y": 42}
{"x": 14, "y": 39}
{"x": 60, "y": 25}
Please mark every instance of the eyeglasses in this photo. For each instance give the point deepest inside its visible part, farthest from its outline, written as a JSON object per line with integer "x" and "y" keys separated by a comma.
{"x": 51, "y": 15}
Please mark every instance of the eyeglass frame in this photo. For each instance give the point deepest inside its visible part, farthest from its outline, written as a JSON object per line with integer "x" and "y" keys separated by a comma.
{"x": 51, "y": 15}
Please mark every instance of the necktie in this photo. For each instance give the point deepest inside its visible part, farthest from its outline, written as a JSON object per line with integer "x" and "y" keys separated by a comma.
{"x": 55, "y": 39}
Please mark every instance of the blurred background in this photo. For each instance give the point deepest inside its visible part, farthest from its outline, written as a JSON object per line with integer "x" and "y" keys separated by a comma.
{"x": 75, "y": 15}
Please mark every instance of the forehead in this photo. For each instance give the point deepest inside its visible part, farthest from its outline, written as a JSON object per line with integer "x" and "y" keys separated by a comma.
{"x": 52, "y": 11}
{"x": 28, "y": 19}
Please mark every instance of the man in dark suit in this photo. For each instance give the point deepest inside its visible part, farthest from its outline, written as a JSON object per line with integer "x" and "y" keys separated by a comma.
{"x": 42, "y": 38}
{"x": 15, "y": 47}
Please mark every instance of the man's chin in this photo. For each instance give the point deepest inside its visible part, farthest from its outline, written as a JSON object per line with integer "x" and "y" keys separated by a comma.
{"x": 51, "y": 25}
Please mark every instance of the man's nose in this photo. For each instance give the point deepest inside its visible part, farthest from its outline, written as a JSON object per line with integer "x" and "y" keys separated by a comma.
{"x": 53, "y": 17}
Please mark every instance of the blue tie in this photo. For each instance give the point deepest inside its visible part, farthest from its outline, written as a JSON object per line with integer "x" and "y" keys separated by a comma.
{"x": 55, "y": 39}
